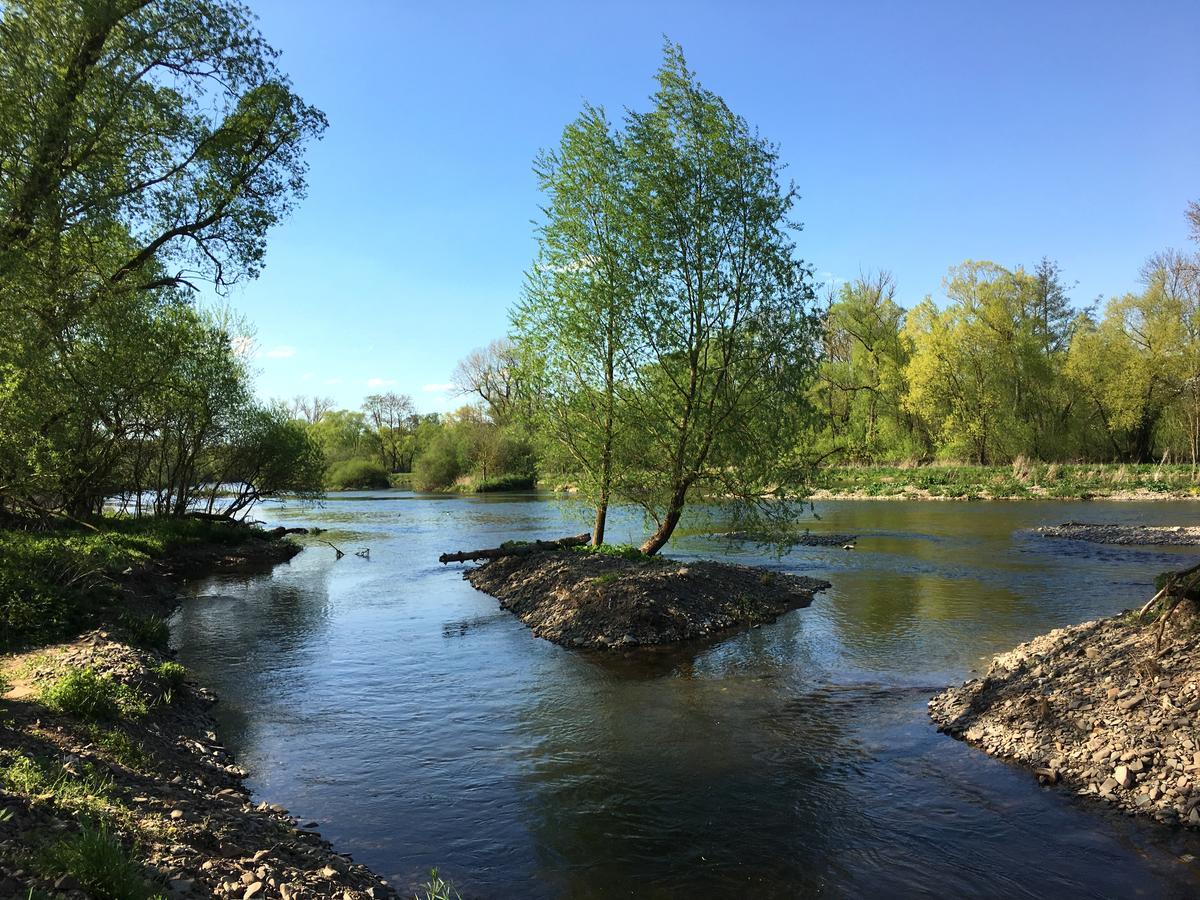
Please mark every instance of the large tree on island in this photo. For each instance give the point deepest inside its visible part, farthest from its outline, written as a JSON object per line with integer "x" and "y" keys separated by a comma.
{"x": 675, "y": 231}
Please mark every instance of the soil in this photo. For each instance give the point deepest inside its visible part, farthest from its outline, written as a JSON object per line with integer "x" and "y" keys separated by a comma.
{"x": 596, "y": 600}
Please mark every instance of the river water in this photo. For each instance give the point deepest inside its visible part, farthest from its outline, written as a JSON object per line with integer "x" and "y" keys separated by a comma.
{"x": 422, "y": 726}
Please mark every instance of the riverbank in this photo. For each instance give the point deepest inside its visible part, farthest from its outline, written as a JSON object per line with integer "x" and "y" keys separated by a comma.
{"x": 1142, "y": 535}
{"x": 614, "y": 600}
{"x": 113, "y": 781}
{"x": 1093, "y": 706}
{"x": 1021, "y": 480}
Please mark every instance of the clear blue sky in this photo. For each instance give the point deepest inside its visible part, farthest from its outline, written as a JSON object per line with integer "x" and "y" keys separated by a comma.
{"x": 919, "y": 134}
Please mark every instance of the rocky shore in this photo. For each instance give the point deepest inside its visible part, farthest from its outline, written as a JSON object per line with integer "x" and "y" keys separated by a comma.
{"x": 598, "y": 600}
{"x": 1095, "y": 708}
{"x": 104, "y": 740}
{"x": 1154, "y": 535}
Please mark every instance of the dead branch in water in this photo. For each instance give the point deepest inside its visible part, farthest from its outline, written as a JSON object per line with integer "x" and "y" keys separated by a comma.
{"x": 515, "y": 549}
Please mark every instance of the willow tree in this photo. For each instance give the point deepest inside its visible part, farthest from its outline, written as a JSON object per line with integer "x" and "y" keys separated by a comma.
{"x": 574, "y": 316}
{"x": 722, "y": 337}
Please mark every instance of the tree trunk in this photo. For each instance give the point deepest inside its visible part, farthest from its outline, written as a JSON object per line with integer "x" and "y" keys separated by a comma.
{"x": 601, "y": 518}
{"x": 660, "y": 537}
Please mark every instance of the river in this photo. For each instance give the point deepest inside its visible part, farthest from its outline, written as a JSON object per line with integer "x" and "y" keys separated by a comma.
{"x": 421, "y": 726}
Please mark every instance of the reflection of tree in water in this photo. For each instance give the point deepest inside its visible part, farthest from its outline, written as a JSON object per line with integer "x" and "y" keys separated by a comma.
{"x": 684, "y": 786}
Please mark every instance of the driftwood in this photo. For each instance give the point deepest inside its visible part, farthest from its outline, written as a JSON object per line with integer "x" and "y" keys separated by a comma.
{"x": 1176, "y": 589}
{"x": 515, "y": 549}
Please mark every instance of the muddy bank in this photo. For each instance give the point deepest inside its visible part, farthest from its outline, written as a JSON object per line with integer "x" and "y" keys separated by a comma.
{"x": 156, "y": 772}
{"x": 1093, "y": 707}
{"x": 596, "y": 600}
{"x": 1161, "y": 535}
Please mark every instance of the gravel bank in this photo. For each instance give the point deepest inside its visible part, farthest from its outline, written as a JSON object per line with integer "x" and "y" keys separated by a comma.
{"x": 1162, "y": 535}
{"x": 1093, "y": 707}
{"x": 596, "y": 600}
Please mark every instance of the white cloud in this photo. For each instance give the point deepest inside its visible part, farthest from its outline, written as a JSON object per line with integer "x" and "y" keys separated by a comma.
{"x": 380, "y": 382}
{"x": 437, "y": 388}
{"x": 281, "y": 352}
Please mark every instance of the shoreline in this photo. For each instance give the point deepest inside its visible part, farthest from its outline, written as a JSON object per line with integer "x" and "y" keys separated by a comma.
{"x": 1093, "y": 708}
{"x": 156, "y": 772}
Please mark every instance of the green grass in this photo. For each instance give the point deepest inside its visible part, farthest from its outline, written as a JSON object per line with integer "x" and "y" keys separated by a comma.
{"x": 437, "y": 888}
{"x": 121, "y": 747}
{"x": 54, "y": 584}
{"x": 83, "y": 692}
{"x": 147, "y": 631}
{"x": 1021, "y": 479}
{"x": 100, "y": 862}
{"x": 82, "y": 792}
{"x": 171, "y": 674}
{"x": 624, "y": 551}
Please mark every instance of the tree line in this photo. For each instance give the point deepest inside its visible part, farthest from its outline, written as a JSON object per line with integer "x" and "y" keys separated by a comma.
{"x": 147, "y": 147}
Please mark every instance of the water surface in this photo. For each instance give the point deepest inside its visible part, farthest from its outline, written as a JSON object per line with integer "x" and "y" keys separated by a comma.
{"x": 421, "y": 726}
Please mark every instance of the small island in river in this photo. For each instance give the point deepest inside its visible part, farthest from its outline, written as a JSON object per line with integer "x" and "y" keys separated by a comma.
{"x": 611, "y": 600}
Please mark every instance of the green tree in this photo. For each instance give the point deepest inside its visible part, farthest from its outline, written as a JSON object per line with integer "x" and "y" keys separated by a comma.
{"x": 722, "y": 321}
{"x": 575, "y": 313}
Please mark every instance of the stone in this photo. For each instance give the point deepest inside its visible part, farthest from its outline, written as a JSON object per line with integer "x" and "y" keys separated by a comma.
{"x": 176, "y": 814}
{"x": 248, "y": 878}
{"x": 182, "y": 886}
{"x": 253, "y": 890}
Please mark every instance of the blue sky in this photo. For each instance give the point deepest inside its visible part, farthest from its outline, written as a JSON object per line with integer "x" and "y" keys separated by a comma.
{"x": 919, "y": 134}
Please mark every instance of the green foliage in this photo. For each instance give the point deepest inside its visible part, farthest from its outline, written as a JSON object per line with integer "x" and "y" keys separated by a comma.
{"x": 83, "y": 692}
{"x": 118, "y": 744}
{"x": 505, "y": 483}
{"x": 356, "y": 474}
{"x": 148, "y": 631}
{"x": 83, "y": 792}
{"x": 437, "y": 888}
{"x": 621, "y": 551}
{"x": 171, "y": 674}
{"x": 101, "y": 863}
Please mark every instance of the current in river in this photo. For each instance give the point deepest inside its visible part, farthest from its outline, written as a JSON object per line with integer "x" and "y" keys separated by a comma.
{"x": 422, "y": 726}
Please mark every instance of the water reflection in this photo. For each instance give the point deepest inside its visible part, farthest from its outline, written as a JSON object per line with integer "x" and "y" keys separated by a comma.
{"x": 423, "y": 726}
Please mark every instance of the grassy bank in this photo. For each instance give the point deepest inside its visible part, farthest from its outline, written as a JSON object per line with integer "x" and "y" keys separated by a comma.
{"x": 1021, "y": 480}
{"x": 55, "y": 583}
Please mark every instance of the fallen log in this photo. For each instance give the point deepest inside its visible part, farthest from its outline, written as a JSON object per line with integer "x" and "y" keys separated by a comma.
{"x": 515, "y": 548}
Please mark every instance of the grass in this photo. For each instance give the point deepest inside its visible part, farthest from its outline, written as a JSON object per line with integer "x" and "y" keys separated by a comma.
{"x": 147, "y": 631}
{"x": 83, "y": 792}
{"x": 53, "y": 584}
{"x": 85, "y": 693}
{"x": 100, "y": 862}
{"x": 623, "y": 551}
{"x": 120, "y": 747}
{"x": 437, "y": 888}
{"x": 1021, "y": 479}
{"x": 171, "y": 674}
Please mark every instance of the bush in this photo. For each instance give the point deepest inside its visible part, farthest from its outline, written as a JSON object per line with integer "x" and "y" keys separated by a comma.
{"x": 356, "y": 475}
{"x": 506, "y": 483}
{"x": 171, "y": 674}
{"x": 82, "y": 691}
{"x": 439, "y": 466}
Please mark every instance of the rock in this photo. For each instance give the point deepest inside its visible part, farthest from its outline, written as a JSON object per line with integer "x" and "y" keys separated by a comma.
{"x": 182, "y": 886}
{"x": 253, "y": 890}
{"x": 1131, "y": 702}
{"x": 67, "y": 883}
{"x": 176, "y": 814}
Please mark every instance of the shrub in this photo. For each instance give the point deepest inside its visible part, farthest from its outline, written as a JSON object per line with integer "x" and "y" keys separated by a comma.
{"x": 148, "y": 631}
{"x": 356, "y": 474}
{"x": 506, "y": 483}
{"x": 82, "y": 691}
{"x": 439, "y": 465}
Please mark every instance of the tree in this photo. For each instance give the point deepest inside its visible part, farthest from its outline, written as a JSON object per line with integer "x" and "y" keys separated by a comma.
{"x": 723, "y": 332}
{"x": 310, "y": 409}
{"x": 492, "y": 373}
{"x": 145, "y": 146}
{"x": 575, "y": 312}
{"x": 394, "y": 418}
